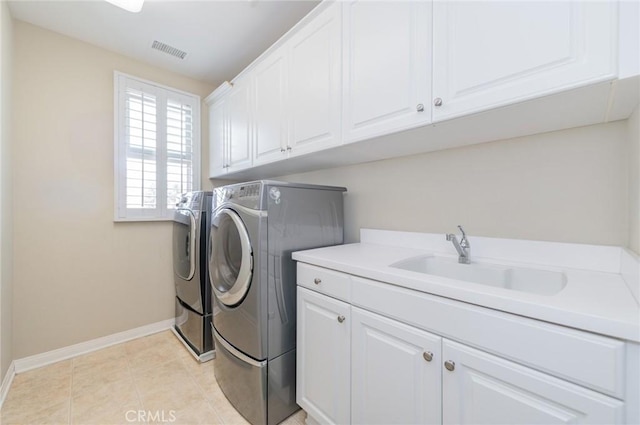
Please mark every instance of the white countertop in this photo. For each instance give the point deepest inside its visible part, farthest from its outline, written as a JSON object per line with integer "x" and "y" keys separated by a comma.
{"x": 593, "y": 300}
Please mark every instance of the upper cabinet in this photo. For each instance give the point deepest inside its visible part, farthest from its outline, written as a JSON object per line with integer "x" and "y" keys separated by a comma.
{"x": 492, "y": 53}
{"x": 229, "y": 131}
{"x": 357, "y": 70}
{"x": 287, "y": 104}
{"x": 217, "y": 138}
{"x": 239, "y": 134}
{"x": 386, "y": 67}
{"x": 270, "y": 113}
{"x": 315, "y": 83}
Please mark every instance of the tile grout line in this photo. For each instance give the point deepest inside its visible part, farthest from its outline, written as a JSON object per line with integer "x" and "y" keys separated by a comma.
{"x": 133, "y": 378}
{"x": 204, "y": 394}
{"x": 73, "y": 359}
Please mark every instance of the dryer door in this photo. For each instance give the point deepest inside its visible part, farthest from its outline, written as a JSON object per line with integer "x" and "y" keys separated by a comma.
{"x": 230, "y": 257}
{"x": 184, "y": 244}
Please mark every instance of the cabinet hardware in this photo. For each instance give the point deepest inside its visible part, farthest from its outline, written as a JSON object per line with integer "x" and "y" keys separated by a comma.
{"x": 288, "y": 148}
{"x": 449, "y": 365}
{"x": 340, "y": 319}
{"x": 420, "y": 107}
{"x": 437, "y": 101}
{"x": 282, "y": 150}
{"x": 317, "y": 281}
{"x": 428, "y": 355}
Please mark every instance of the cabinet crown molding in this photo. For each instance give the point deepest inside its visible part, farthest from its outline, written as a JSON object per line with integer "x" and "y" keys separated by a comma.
{"x": 218, "y": 93}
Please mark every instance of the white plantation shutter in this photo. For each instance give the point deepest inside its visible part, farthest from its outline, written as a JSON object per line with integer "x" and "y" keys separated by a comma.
{"x": 157, "y": 148}
{"x": 141, "y": 149}
{"x": 180, "y": 158}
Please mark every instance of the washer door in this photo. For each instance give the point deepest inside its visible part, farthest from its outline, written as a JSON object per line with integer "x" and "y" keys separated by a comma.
{"x": 230, "y": 257}
{"x": 184, "y": 244}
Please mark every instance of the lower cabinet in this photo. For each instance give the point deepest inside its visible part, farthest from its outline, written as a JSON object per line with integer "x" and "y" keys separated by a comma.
{"x": 357, "y": 366}
{"x": 323, "y": 357}
{"x": 479, "y": 388}
{"x": 395, "y": 372}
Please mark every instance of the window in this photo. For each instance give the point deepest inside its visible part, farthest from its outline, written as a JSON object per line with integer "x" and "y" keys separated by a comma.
{"x": 157, "y": 148}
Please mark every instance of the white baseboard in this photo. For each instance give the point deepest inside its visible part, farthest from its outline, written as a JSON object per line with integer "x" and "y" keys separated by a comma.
{"x": 6, "y": 382}
{"x": 53, "y": 356}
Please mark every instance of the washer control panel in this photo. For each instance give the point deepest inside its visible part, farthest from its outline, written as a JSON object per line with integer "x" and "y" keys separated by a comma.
{"x": 248, "y": 195}
{"x": 193, "y": 201}
{"x": 246, "y": 191}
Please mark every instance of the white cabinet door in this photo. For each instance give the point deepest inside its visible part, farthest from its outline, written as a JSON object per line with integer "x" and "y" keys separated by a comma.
{"x": 269, "y": 102}
{"x": 315, "y": 83}
{"x": 396, "y": 372}
{"x": 492, "y": 53}
{"x": 238, "y": 131}
{"x": 323, "y": 357}
{"x": 217, "y": 138}
{"x": 484, "y": 389}
{"x": 387, "y": 65}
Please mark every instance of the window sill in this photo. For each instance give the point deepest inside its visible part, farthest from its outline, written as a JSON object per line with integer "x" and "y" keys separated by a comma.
{"x": 136, "y": 219}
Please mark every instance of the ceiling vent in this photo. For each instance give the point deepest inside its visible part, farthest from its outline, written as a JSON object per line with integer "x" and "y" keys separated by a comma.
{"x": 168, "y": 49}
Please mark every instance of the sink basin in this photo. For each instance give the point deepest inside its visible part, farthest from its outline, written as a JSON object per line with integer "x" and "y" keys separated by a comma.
{"x": 542, "y": 282}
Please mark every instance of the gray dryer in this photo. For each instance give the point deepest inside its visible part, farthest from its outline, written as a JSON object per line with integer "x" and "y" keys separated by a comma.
{"x": 190, "y": 272}
{"x": 255, "y": 227}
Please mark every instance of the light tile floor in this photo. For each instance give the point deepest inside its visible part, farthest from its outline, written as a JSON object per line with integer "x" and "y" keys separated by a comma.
{"x": 148, "y": 380}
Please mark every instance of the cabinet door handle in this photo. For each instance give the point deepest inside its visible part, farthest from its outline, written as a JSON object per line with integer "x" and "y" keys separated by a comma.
{"x": 437, "y": 101}
{"x": 428, "y": 355}
{"x": 340, "y": 319}
{"x": 288, "y": 148}
{"x": 282, "y": 150}
{"x": 317, "y": 281}
{"x": 420, "y": 107}
{"x": 450, "y": 365}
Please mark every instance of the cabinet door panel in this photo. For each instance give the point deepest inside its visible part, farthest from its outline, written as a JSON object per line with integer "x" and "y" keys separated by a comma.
{"x": 270, "y": 114}
{"x": 315, "y": 83}
{"x": 488, "y": 54}
{"x": 387, "y": 59}
{"x": 392, "y": 381}
{"x": 217, "y": 139}
{"x": 323, "y": 357}
{"x": 239, "y": 135}
{"x": 484, "y": 389}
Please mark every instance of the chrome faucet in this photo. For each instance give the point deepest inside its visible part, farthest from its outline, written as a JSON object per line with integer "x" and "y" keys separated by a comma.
{"x": 463, "y": 247}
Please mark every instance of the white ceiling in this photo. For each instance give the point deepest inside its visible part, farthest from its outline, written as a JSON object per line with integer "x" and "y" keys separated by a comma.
{"x": 220, "y": 37}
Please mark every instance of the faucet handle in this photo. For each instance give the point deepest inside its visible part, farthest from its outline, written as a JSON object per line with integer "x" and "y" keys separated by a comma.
{"x": 464, "y": 239}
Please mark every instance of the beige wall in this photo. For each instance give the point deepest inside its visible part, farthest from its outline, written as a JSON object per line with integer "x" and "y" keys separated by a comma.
{"x": 78, "y": 275}
{"x": 6, "y": 226}
{"x": 567, "y": 186}
{"x": 633, "y": 131}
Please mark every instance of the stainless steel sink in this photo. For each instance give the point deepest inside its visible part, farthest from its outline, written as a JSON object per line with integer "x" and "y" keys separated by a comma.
{"x": 542, "y": 282}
